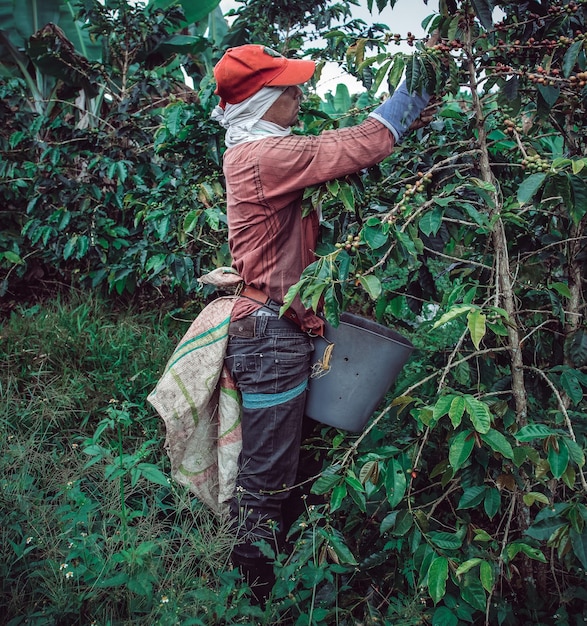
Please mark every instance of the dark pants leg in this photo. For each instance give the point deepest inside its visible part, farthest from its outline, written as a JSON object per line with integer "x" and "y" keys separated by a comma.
{"x": 269, "y": 359}
{"x": 312, "y": 459}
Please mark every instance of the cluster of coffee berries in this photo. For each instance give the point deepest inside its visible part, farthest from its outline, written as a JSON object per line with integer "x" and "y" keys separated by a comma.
{"x": 570, "y": 8}
{"x": 502, "y": 67}
{"x": 447, "y": 46}
{"x": 579, "y": 80}
{"x": 419, "y": 185}
{"x": 535, "y": 163}
{"x": 397, "y": 38}
{"x": 511, "y": 126}
{"x": 352, "y": 243}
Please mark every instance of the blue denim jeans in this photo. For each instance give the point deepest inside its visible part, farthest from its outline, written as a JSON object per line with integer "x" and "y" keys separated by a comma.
{"x": 269, "y": 359}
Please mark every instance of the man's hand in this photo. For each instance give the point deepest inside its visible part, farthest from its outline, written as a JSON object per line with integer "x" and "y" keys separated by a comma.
{"x": 427, "y": 114}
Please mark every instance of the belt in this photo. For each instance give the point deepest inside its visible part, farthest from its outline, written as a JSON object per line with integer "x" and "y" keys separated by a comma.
{"x": 261, "y": 298}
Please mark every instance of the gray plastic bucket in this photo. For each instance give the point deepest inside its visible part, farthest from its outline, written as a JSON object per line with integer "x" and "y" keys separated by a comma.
{"x": 366, "y": 359}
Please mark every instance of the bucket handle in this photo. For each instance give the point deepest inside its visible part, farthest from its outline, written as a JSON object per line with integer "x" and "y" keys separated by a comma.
{"x": 322, "y": 366}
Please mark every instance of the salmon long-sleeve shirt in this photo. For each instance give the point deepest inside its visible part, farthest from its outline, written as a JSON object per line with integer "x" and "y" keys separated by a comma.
{"x": 270, "y": 241}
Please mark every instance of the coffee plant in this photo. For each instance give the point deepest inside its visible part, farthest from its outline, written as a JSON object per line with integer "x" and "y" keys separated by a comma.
{"x": 463, "y": 501}
{"x": 467, "y": 490}
{"x": 97, "y": 190}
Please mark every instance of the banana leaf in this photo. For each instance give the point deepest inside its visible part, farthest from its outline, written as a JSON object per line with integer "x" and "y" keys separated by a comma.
{"x": 22, "y": 18}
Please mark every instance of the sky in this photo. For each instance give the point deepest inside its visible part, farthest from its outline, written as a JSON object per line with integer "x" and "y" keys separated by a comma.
{"x": 406, "y": 16}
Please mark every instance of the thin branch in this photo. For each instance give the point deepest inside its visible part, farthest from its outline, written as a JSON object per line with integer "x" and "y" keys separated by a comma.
{"x": 450, "y": 359}
{"x": 536, "y": 329}
{"x": 552, "y": 245}
{"x": 456, "y": 259}
{"x": 501, "y": 559}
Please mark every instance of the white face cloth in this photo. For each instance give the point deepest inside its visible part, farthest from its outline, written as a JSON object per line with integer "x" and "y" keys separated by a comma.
{"x": 243, "y": 120}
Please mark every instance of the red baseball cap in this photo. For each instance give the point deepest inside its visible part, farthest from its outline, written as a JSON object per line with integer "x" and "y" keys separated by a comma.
{"x": 244, "y": 70}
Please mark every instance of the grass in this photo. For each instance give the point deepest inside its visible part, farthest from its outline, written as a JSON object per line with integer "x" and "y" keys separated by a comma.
{"x": 84, "y": 538}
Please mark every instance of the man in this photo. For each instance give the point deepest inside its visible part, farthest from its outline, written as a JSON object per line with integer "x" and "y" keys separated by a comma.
{"x": 271, "y": 242}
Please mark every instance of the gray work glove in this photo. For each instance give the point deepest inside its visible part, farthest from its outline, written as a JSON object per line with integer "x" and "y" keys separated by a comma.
{"x": 401, "y": 110}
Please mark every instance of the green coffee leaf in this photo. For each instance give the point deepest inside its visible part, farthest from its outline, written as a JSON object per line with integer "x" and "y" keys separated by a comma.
{"x": 456, "y": 410}
{"x": 576, "y": 347}
{"x": 576, "y": 453}
{"x": 397, "y": 69}
{"x": 431, "y": 222}
{"x": 374, "y": 236}
{"x": 534, "y": 496}
{"x": 12, "y": 257}
{"x": 380, "y": 75}
{"x": 579, "y": 207}
{"x": 455, "y": 312}
{"x": 443, "y": 616}
{"x": 571, "y": 56}
{"x": 190, "y": 221}
{"x": 472, "y": 591}
{"x": 533, "y": 431}
{"x": 476, "y": 325}
{"x": 372, "y": 285}
{"x": 549, "y": 94}
{"x": 545, "y": 528}
{"x": 516, "y": 547}
{"x": 442, "y": 406}
{"x": 333, "y": 187}
{"x": 344, "y": 265}
{"x": 358, "y": 497}
{"x": 570, "y": 383}
{"x": 498, "y": 442}
{"x": 336, "y": 541}
{"x": 472, "y": 497}
{"x": 395, "y": 482}
{"x": 332, "y": 305}
{"x": 448, "y": 541}
{"x": 479, "y": 413}
{"x": 527, "y": 190}
{"x": 484, "y": 185}
{"x": 352, "y": 481}
{"x": 437, "y": 577}
{"x": 460, "y": 449}
{"x": 347, "y": 197}
{"x": 558, "y": 458}
{"x": 414, "y": 70}
{"x": 388, "y": 522}
{"x": 482, "y": 535}
{"x": 467, "y": 565}
{"x": 338, "y": 495}
{"x": 487, "y": 576}
{"x": 579, "y": 543}
{"x": 327, "y": 480}
{"x": 492, "y": 502}
{"x": 561, "y": 288}
{"x": 484, "y": 11}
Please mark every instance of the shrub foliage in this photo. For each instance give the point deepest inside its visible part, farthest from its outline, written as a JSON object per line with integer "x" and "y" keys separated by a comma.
{"x": 464, "y": 499}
